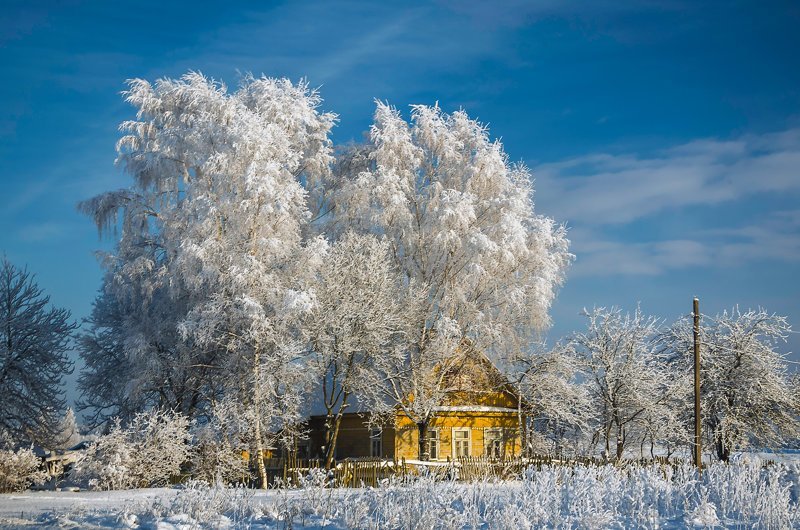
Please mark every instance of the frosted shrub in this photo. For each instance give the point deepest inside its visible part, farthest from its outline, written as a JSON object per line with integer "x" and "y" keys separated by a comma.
{"x": 201, "y": 504}
{"x": 750, "y": 492}
{"x": 147, "y": 452}
{"x": 20, "y": 469}
{"x": 730, "y": 496}
{"x": 216, "y": 461}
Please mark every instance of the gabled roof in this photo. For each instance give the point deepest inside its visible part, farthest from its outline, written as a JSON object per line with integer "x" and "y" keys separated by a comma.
{"x": 468, "y": 371}
{"x": 471, "y": 370}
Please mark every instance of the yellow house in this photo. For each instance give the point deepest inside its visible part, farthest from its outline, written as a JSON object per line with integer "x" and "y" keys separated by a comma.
{"x": 478, "y": 417}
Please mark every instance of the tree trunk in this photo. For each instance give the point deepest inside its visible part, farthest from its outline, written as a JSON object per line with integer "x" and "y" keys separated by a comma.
{"x": 334, "y": 438}
{"x": 523, "y": 427}
{"x": 262, "y": 471}
{"x": 422, "y": 431}
{"x": 723, "y": 452}
{"x": 332, "y": 425}
{"x": 329, "y": 420}
{"x": 620, "y": 443}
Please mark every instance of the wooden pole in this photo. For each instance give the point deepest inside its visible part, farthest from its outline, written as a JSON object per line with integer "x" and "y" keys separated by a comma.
{"x": 698, "y": 453}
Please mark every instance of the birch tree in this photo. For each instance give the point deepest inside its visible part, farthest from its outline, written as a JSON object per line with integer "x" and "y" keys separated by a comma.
{"x": 357, "y": 320}
{"x": 237, "y": 163}
{"x": 35, "y": 338}
{"x": 463, "y": 233}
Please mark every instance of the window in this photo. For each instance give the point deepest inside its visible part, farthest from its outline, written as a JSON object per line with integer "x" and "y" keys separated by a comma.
{"x": 493, "y": 443}
{"x": 376, "y": 444}
{"x": 461, "y": 439}
{"x": 433, "y": 444}
{"x": 304, "y": 449}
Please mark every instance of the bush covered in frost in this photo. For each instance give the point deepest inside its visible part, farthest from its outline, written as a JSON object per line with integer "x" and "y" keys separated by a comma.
{"x": 219, "y": 448}
{"x": 216, "y": 461}
{"x": 146, "y": 452}
{"x": 745, "y": 495}
{"x": 20, "y": 469}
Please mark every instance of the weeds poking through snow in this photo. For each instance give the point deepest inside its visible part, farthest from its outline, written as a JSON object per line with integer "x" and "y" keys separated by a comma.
{"x": 743, "y": 495}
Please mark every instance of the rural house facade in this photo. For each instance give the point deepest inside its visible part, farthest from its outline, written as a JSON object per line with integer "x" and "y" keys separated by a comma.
{"x": 479, "y": 417}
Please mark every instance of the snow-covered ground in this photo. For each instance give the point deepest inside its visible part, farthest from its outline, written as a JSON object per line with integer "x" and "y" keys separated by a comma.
{"x": 743, "y": 495}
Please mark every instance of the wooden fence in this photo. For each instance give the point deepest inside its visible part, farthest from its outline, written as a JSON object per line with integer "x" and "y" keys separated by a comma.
{"x": 371, "y": 472}
{"x": 348, "y": 473}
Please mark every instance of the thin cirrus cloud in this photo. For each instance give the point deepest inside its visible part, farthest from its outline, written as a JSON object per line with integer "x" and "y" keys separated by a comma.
{"x": 611, "y": 189}
{"x": 313, "y": 45}
{"x": 772, "y": 239}
{"x": 38, "y": 232}
{"x": 601, "y": 194}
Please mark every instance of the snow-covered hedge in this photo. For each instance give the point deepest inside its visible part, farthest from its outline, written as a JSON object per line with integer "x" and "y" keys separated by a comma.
{"x": 20, "y": 469}
{"x": 146, "y": 452}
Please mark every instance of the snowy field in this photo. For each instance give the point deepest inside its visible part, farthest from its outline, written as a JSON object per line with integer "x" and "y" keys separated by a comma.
{"x": 743, "y": 495}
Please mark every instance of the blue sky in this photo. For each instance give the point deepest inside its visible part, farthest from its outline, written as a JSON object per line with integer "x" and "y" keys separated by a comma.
{"x": 665, "y": 134}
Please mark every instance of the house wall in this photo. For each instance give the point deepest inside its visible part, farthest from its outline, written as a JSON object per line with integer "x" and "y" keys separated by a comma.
{"x": 354, "y": 439}
{"x": 479, "y": 399}
{"x": 446, "y": 422}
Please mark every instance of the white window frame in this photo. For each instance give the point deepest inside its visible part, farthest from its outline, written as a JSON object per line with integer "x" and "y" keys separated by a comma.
{"x": 376, "y": 440}
{"x": 455, "y": 441}
{"x": 434, "y": 440}
{"x": 497, "y": 440}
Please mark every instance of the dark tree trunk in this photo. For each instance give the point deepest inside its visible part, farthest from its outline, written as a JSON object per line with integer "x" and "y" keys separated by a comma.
{"x": 422, "y": 432}
{"x": 723, "y": 452}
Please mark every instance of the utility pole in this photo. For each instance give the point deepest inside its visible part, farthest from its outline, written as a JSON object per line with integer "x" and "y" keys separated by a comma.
{"x": 698, "y": 453}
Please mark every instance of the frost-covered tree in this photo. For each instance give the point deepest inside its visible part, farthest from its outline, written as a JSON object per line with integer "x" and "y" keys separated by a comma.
{"x": 747, "y": 395}
{"x": 220, "y": 207}
{"x": 220, "y": 445}
{"x": 68, "y": 433}
{"x": 357, "y": 320}
{"x": 134, "y": 355}
{"x": 463, "y": 233}
{"x": 146, "y": 452}
{"x": 552, "y": 404}
{"x": 103, "y": 382}
{"x": 34, "y": 340}
{"x": 626, "y": 373}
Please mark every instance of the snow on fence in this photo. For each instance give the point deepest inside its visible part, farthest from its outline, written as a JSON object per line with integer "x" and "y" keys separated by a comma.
{"x": 371, "y": 472}
{"x": 351, "y": 472}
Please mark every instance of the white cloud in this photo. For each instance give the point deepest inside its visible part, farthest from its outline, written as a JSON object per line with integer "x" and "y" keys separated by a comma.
{"x": 773, "y": 238}
{"x": 605, "y": 189}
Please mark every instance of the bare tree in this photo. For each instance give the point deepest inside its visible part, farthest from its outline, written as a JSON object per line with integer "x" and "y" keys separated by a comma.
{"x": 626, "y": 373}
{"x": 748, "y": 398}
{"x": 34, "y": 341}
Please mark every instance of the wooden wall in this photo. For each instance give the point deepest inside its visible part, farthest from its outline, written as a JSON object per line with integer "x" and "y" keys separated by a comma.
{"x": 446, "y": 422}
{"x": 354, "y": 437}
